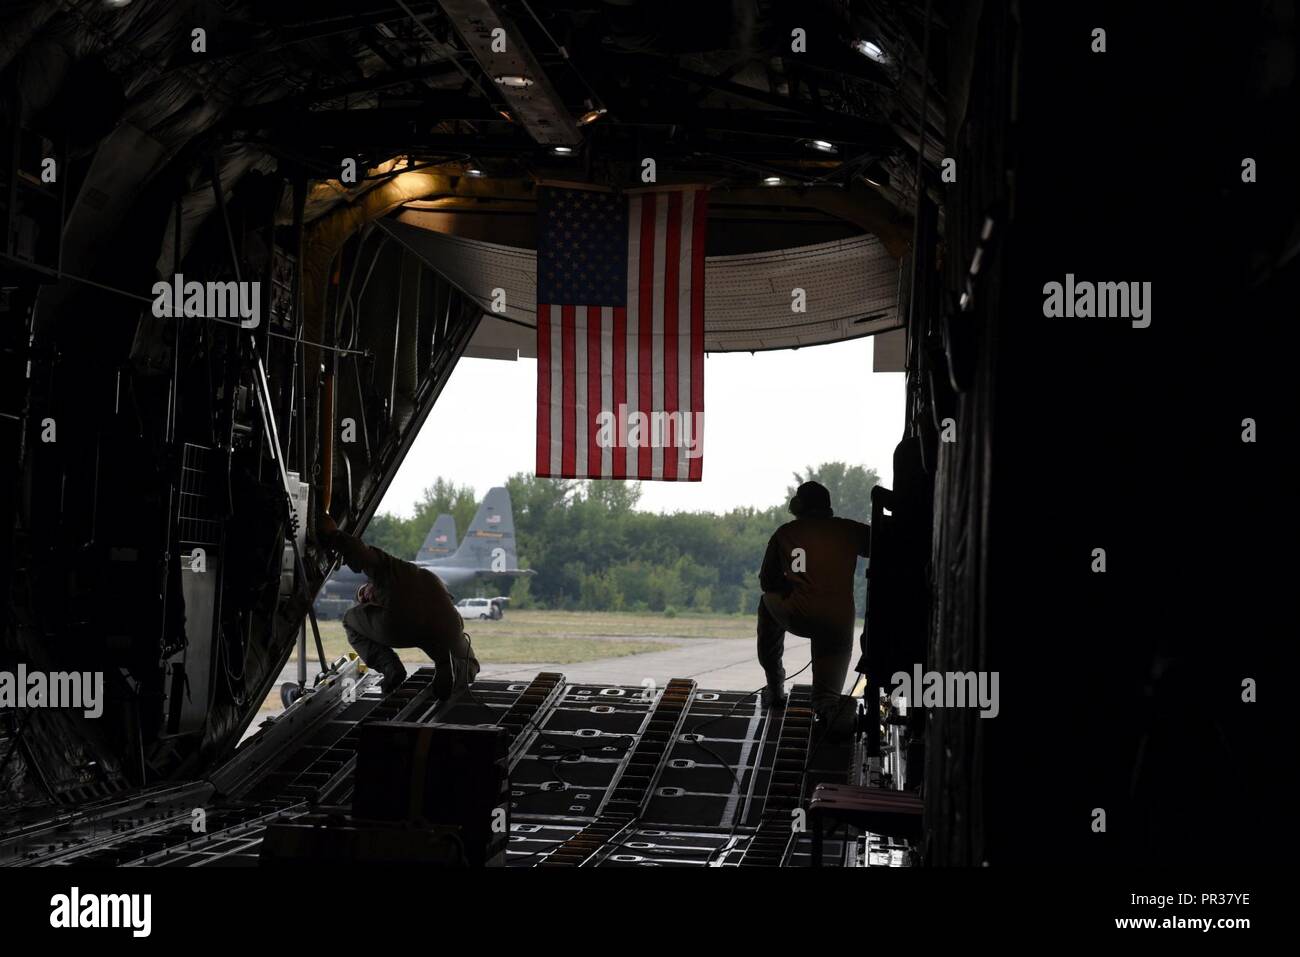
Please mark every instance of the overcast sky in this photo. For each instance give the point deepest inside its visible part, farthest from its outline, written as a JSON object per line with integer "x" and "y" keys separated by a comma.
{"x": 766, "y": 415}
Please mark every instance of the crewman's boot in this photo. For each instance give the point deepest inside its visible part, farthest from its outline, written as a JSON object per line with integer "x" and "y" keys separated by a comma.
{"x": 452, "y": 671}
{"x": 444, "y": 676}
{"x": 773, "y": 694}
{"x": 394, "y": 673}
{"x": 358, "y": 624}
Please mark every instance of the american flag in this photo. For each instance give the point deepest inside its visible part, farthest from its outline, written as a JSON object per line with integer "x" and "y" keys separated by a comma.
{"x": 620, "y": 334}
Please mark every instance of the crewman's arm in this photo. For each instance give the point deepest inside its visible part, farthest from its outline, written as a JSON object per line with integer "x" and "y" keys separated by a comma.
{"x": 771, "y": 576}
{"x": 357, "y": 555}
{"x": 863, "y": 535}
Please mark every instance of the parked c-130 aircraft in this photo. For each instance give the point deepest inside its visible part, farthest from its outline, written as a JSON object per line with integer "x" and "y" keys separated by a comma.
{"x": 441, "y": 540}
{"x": 487, "y": 549}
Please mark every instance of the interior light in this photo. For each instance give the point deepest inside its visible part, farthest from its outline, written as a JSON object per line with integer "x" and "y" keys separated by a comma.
{"x": 872, "y": 51}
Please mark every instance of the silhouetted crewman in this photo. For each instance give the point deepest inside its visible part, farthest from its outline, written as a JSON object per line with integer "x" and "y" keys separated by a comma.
{"x": 807, "y": 580}
{"x": 402, "y": 606}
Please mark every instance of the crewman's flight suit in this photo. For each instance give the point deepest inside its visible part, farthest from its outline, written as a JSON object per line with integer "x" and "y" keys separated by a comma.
{"x": 809, "y": 593}
{"x": 412, "y": 609}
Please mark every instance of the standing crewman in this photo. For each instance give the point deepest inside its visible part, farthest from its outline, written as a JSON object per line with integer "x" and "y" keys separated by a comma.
{"x": 402, "y": 606}
{"x": 807, "y": 580}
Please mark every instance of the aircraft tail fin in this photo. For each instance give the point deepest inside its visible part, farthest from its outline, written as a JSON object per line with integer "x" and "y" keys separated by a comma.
{"x": 441, "y": 540}
{"x": 489, "y": 544}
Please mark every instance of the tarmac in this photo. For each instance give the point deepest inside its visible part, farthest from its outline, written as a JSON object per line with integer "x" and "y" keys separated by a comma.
{"x": 717, "y": 664}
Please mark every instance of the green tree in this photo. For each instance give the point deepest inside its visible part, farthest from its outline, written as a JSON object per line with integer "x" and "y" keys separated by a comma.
{"x": 592, "y": 549}
{"x": 445, "y": 496}
{"x": 397, "y": 536}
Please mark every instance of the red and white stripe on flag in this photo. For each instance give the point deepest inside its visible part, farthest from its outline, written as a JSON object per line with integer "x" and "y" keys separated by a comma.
{"x": 620, "y": 388}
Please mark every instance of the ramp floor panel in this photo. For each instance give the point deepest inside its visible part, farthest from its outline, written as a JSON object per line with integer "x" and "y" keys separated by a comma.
{"x": 633, "y": 783}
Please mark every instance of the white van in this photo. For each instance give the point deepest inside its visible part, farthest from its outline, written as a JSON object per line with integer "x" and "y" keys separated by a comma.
{"x": 480, "y": 608}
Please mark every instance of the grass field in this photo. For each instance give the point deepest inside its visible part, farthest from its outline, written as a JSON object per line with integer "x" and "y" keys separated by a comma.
{"x": 565, "y": 637}
{"x": 616, "y": 624}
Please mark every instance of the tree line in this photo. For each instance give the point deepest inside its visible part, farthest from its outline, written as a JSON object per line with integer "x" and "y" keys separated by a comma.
{"x": 594, "y": 551}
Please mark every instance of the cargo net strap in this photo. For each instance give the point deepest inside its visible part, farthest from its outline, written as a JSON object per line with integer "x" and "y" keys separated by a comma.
{"x": 629, "y": 795}
{"x": 770, "y": 845}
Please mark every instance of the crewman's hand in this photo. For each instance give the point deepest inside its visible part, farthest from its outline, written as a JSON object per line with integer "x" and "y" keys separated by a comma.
{"x": 327, "y": 530}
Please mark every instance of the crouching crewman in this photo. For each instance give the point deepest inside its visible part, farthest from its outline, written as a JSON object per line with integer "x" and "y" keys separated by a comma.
{"x": 401, "y": 606}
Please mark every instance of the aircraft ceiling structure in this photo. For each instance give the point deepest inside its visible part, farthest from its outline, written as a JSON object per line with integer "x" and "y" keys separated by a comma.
{"x": 747, "y": 301}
